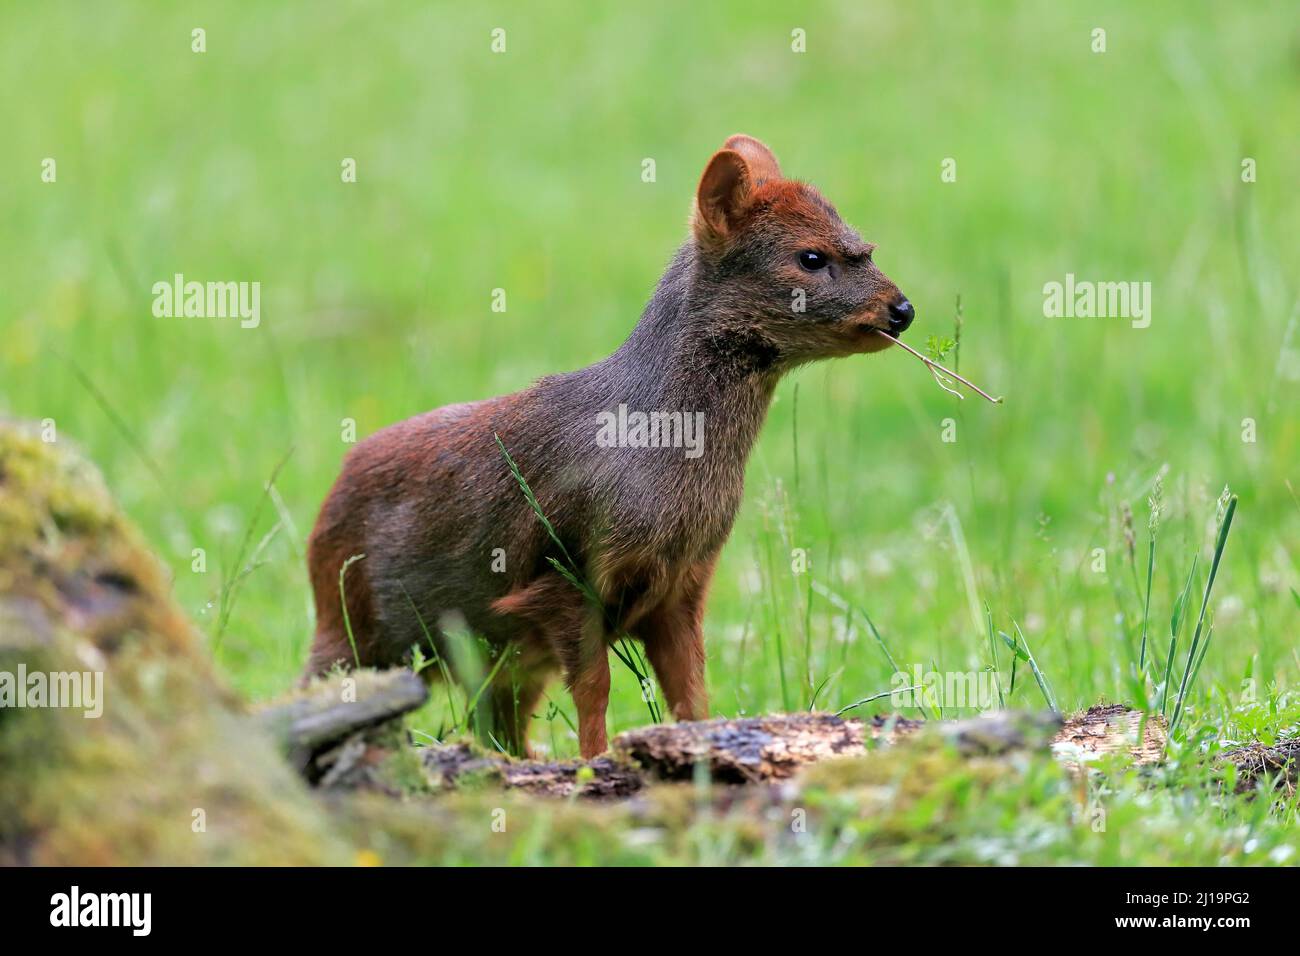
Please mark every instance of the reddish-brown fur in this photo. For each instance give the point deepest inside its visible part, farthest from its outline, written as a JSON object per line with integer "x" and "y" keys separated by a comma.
{"x": 432, "y": 506}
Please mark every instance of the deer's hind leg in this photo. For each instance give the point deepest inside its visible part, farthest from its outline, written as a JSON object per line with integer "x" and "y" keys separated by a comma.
{"x": 575, "y": 635}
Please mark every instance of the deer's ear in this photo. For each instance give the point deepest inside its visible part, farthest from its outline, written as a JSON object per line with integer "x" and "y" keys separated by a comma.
{"x": 760, "y": 160}
{"x": 722, "y": 196}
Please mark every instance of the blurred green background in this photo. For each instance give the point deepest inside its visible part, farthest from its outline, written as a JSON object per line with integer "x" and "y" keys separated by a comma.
{"x": 522, "y": 171}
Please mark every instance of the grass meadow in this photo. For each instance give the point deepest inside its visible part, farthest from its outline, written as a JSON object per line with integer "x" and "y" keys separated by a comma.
{"x": 1171, "y": 158}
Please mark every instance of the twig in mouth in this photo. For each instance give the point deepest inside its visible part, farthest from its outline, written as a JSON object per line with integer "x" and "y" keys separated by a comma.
{"x": 936, "y": 368}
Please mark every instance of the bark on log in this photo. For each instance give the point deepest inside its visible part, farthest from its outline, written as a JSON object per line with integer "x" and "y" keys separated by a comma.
{"x": 1110, "y": 728}
{"x": 753, "y": 749}
{"x": 740, "y": 751}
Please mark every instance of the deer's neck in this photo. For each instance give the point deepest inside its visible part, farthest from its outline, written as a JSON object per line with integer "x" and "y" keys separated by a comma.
{"x": 690, "y": 354}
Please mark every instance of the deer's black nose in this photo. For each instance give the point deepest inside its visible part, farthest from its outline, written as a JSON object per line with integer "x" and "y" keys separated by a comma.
{"x": 901, "y": 315}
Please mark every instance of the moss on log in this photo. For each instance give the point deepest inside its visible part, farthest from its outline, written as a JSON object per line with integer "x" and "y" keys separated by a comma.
{"x": 172, "y": 771}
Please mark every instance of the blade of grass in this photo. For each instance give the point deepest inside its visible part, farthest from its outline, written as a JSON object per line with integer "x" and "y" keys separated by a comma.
{"x": 849, "y": 608}
{"x": 1209, "y": 634}
{"x": 1175, "y": 629}
{"x": 245, "y": 564}
{"x": 562, "y": 714}
{"x": 1224, "y": 527}
{"x": 993, "y": 658}
{"x": 471, "y": 708}
{"x": 777, "y": 629}
{"x": 343, "y": 600}
{"x": 437, "y": 657}
{"x": 1146, "y": 610}
{"x": 812, "y": 703}
{"x": 880, "y": 696}
{"x": 1038, "y": 674}
{"x": 132, "y": 441}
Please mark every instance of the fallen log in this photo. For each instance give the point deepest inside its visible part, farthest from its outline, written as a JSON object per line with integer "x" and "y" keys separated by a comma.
{"x": 776, "y": 747}
{"x": 312, "y": 722}
{"x": 753, "y": 749}
{"x": 1110, "y": 728}
{"x": 461, "y": 766}
{"x": 745, "y": 750}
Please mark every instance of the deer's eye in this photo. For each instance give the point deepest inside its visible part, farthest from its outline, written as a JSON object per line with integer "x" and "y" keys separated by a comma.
{"x": 812, "y": 261}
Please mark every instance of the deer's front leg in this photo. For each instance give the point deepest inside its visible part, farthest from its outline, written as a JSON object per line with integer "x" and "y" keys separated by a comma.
{"x": 589, "y": 685}
{"x": 575, "y": 633}
{"x": 673, "y": 634}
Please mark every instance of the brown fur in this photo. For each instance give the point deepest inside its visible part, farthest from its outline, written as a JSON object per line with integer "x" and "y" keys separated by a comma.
{"x": 428, "y": 500}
